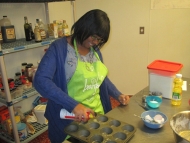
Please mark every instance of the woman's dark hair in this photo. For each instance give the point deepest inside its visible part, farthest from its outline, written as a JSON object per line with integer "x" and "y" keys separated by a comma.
{"x": 94, "y": 22}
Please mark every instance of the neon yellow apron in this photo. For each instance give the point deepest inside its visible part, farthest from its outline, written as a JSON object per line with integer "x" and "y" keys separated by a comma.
{"x": 85, "y": 82}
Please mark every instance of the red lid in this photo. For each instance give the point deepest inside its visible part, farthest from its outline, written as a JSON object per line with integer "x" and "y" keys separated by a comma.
{"x": 165, "y": 66}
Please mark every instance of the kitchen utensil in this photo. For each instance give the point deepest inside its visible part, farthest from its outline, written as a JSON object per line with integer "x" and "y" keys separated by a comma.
{"x": 142, "y": 118}
{"x": 101, "y": 129}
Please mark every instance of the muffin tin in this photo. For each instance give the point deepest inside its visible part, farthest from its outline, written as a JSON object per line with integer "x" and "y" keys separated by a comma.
{"x": 101, "y": 129}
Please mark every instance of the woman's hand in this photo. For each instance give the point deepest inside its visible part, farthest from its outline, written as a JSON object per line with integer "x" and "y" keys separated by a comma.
{"x": 124, "y": 99}
{"x": 81, "y": 113}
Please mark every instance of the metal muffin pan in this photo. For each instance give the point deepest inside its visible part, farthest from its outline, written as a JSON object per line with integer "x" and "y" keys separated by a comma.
{"x": 101, "y": 129}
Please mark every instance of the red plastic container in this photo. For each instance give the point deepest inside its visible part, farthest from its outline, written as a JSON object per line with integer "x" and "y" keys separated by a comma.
{"x": 161, "y": 75}
{"x": 164, "y": 68}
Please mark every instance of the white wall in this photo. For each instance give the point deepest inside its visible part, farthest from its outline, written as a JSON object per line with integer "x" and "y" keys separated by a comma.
{"x": 128, "y": 53}
{"x": 169, "y": 36}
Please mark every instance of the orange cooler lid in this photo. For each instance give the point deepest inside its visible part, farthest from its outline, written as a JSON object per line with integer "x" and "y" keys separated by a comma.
{"x": 165, "y": 66}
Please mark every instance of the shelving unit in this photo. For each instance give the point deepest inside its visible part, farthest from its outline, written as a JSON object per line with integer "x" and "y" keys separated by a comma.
{"x": 18, "y": 46}
{"x": 8, "y": 48}
{"x": 22, "y": 44}
{"x": 40, "y": 128}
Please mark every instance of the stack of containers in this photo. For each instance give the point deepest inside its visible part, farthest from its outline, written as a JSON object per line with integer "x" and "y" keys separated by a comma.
{"x": 161, "y": 76}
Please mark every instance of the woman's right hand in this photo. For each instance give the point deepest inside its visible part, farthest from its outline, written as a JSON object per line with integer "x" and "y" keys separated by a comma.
{"x": 81, "y": 113}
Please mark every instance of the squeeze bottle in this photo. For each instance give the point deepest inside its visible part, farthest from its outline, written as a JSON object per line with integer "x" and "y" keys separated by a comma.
{"x": 177, "y": 90}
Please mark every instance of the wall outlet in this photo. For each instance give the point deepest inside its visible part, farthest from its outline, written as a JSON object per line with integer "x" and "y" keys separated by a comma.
{"x": 141, "y": 30}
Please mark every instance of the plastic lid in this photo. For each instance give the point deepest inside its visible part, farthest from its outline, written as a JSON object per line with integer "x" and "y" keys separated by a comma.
{"x": 21, "y": 126}
{"x": 30, "y": 64}
{"x": 17, "y": 73}
{"x": 165, "y": 66}
{"x": 40, "y": 108}
{"x": 23, "y": 64}
{"x": 179, "y": 75}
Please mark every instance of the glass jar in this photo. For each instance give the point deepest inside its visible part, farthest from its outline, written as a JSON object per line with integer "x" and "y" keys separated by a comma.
{"x": 23, "y": 65}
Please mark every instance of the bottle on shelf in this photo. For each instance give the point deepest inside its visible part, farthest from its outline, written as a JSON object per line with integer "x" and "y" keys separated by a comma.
{"x": 42, "y": 28}
{"x": 37, "y": 34}
{"x": 65, "y": 28}
{"x": 5, "y": 21}
{"x": 1, "y": 38}
{"x": 17, "y": 79}
{"x": 177, "y": 90}
{"x": 50, "y": 31}
{"x": 54, "y": 27}
{"x": 60, "y": 28}
{"x": 27, "y": 29}
{"x": 23, "y": 66}
{"x": 7, "y": 30}
{"x": 31, "y": 31}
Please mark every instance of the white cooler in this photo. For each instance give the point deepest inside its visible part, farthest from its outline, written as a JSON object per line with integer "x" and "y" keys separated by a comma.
{"x": 161, "y": 76}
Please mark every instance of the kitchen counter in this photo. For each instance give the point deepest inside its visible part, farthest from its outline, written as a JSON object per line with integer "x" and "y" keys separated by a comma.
{"x": 144, "y": 134}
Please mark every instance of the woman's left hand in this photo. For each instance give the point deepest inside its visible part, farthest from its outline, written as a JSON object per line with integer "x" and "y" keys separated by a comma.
{"x": 124, "y": 99}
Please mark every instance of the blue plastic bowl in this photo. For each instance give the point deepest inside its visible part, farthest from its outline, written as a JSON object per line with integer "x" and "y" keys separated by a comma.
{"x": 153, "y": 101}
{"x": 152, "y": 114}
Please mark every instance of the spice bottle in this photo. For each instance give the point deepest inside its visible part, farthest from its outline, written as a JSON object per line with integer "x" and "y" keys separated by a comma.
{"x": 50, "y": 31}
{"x": 37, "y": 34}
{"x": 1, "y": 38}
{"x": 65, "y": 28}
{"x": 30, "y": 71}
{"x": 42, "y": 28}
{"x": 17, "y": 79}
{"x": 27, "y": 68}
{"x": 23, "y": 65}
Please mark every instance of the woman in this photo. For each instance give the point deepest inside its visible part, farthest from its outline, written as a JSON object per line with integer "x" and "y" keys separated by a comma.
{"x": 72, "y": 76}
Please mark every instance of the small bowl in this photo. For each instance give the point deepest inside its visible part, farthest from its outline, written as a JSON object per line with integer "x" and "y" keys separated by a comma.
{"x": 153, "y": 101}
{"x": 152, "y": 114}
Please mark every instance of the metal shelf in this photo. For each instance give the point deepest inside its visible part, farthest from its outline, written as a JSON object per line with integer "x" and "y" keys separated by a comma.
{"x": 22, "y": 44}
{"x": 6, "y": 48}
{"x": 27, "y": 93}
{"x": 39, "y": 129}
